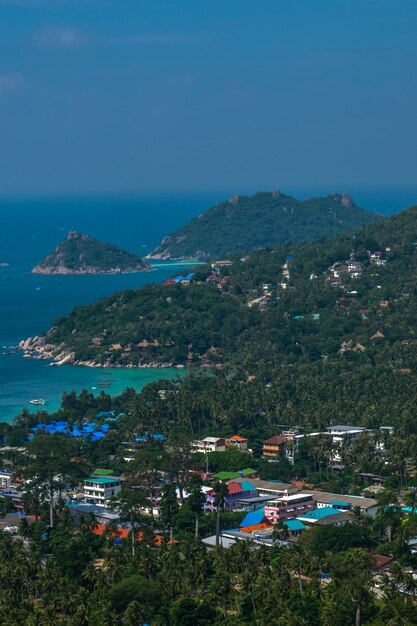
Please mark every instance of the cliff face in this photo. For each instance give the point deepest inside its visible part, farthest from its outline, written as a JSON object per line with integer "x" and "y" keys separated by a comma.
{"x": 264, "y": 220}
{"x": 81, "y": 254}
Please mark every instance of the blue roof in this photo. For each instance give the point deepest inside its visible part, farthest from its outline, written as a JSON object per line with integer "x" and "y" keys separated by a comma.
{"x": 323, "y": 511}
{"x": 247, "y": 486}
{"x": 337, "y": 503}
{"x": 294, "y": 524}
{"x": 254, "y": 517}
{"x": 92, "y": 430}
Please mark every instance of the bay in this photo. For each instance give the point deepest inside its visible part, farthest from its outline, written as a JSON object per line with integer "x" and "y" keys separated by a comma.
{"x": 31, "y": 228}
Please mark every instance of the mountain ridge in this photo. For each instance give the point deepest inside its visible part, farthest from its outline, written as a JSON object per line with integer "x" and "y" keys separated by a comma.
{"x": 265, "y": 219}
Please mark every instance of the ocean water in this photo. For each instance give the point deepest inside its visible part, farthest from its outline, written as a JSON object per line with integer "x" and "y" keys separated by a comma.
{"x": 29, "y": 304}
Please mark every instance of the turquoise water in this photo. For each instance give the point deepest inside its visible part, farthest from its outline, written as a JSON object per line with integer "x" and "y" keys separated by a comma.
{"x": 29, "y": 304}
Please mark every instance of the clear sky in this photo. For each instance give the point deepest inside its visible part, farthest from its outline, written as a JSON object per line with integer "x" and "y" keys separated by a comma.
{"x": 171, "y": 95}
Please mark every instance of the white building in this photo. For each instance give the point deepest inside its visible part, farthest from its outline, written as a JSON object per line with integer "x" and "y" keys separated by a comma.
{"x": 100, "y": 489}
{"x": 209, "y": 444}
{"x": 6, "y": 478}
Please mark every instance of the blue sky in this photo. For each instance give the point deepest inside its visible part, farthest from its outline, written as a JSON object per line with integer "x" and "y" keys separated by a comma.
{"x": 117, "y": 96}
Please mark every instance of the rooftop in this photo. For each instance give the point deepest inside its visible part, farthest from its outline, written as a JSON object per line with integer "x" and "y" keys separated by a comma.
{"x": 275, "y": 441}
{"x": 318, "y": 514}
{"x": 102, "y": 480}
{"x": 341, "y": 428}
{"x": 294, "y": 525}
{"x": 328, "y": 498}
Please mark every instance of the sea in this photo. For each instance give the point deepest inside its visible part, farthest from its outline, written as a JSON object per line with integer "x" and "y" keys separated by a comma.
{"x": 29, "y": 304}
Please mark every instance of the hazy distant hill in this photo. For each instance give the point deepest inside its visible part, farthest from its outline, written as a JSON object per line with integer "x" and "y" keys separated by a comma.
{"x": 263, "y": 220}
{"x": 81, "y": 254}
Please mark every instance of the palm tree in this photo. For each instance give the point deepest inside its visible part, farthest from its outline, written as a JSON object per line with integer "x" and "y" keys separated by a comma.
{"x": 221, "y": 491}
{"x": 134, "y": 614}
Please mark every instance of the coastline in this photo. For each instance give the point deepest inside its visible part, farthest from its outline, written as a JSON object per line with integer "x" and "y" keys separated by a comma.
{"x": 37, "y": 348}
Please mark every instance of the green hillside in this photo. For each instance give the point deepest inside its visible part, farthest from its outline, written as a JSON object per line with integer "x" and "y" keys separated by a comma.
{"x": 266, "y": 219}
{"x": 274, "y": 307}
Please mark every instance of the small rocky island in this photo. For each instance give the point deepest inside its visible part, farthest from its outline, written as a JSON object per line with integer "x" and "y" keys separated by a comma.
{"x": 81, "y": 254}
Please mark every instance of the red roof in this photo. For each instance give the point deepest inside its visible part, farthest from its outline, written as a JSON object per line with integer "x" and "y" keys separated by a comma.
{"x": 381, "y": 560}
{"x": 234, "y": 488}
{"x": 277, "y": 440}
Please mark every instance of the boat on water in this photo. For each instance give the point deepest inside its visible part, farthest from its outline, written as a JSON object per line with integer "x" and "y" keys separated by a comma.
{"x": 39, "y": 402}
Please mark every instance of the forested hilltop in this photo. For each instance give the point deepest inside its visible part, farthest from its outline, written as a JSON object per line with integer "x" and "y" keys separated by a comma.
{"x": 81, "y": 254}
{"x": 266, "y": 219}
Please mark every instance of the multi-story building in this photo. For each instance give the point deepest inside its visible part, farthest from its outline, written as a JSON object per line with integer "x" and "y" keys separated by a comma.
{"x": 99, "y": 489}
{"x": 6, "y": 478}
{"x": 289, "y": 507}
{"x": 274, "y": 446}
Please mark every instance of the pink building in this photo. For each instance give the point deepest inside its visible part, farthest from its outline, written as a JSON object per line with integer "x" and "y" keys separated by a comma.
{"x": 289, "y": 507}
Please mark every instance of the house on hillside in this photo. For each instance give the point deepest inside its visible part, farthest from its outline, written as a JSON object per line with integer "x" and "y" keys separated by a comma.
{"x": 209, "y": 444}
{"x": 274, "y": 446}
{"x": 241, "y": 443}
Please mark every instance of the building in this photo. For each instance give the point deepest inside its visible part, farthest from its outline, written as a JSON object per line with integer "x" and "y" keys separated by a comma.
{"x": 99, "y": 489}
{"x": 295, "y": 527}
{"x": 289, "y": 507}
{"x": 16, "y": 498}
{"x": 252, "y": 503}
{"x": 6, "y": 478}
{"x": 255, "y": 521}
{"x": 274, "y": 446}
{"x": 236, "y": 491}
{"x": 209, "y": 444}
{"x": 274, "y": 488}
{"x": 342, "y": 435}
{"x": 101, "y": 514}
{"x": 325, "y": 516}
{"x": 238, "y": 442}
{"x": 367, "y": 506}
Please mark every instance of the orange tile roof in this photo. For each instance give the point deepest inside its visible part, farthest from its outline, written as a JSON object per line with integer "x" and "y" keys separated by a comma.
{"x": 123, "y": 533}
{"x": 255, "y": 527}
{"x": 238, "y": 438}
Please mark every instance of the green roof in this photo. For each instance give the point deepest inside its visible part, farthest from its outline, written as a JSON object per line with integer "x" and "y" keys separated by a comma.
{"x": 226, "y": 475}
{"x": 232, "y": 475}
{"x": 102, "y": 472}
{"x": 101, "y": 480}
{"x": 247, "y": 471}
{"x": 294, "y": 524}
